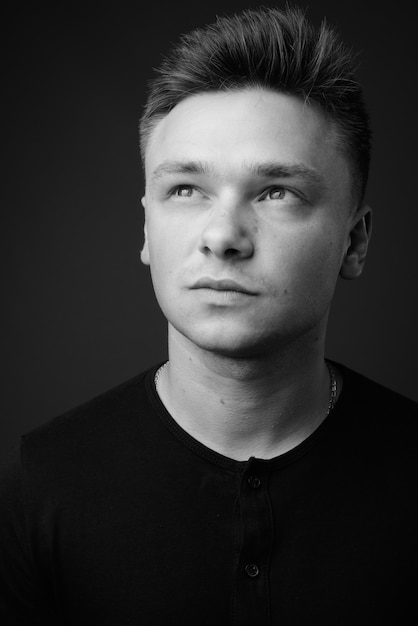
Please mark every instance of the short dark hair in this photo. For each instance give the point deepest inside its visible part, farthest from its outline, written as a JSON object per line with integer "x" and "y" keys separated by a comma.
{"x": 275, "y": 49}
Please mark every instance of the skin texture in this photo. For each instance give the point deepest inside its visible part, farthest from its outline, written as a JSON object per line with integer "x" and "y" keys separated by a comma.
{"x": 248, "y": 186}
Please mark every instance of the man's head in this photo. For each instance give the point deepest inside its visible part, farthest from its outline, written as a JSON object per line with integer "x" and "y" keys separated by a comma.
{"x": 276, "y": 50}
{"x": 250, "y": 214}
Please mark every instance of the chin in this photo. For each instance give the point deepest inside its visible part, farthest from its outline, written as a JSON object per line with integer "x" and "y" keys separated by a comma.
{"x": 233, "y": 343}
{"x": 252, "y": 339}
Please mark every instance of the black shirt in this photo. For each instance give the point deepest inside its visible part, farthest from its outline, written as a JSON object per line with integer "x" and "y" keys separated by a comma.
{"x": 114, "y": 515}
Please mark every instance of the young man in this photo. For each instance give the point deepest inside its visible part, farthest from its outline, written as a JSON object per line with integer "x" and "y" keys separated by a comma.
{"x": 247, "y": 481}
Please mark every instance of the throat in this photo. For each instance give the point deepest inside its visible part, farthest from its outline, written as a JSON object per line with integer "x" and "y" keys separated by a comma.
{"x": 244, "y": 418}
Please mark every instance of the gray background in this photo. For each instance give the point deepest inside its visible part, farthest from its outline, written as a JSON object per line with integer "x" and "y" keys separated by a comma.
{"x": 78, "y": 313}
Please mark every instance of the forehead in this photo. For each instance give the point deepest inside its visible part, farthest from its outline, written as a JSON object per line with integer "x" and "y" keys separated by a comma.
{"x": 231, "y": 129}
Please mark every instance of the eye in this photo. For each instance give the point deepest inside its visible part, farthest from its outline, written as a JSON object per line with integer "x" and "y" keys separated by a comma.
{"x": 276, "y": 193}
{"x": 183, "y": 191}
{"x": 284, "y": 196}
{"x": 187, "y": 193}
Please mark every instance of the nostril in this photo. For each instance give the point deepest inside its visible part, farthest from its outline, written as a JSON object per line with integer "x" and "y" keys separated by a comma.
{"x": 226, "y": 239}
{"x": 230, "y": 252}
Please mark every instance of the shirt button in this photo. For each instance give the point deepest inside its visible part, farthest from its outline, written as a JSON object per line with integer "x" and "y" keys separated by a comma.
{"x": 254, "y": 482}
{"x": 252, "y": 570}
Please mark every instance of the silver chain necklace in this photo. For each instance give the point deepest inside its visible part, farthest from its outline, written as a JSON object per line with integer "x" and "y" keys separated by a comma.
{"x": 332, "y": 389}
{"x": 158, "y": 374}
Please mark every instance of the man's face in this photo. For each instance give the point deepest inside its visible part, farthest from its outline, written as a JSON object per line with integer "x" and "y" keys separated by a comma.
{"x": 248, "y": 210}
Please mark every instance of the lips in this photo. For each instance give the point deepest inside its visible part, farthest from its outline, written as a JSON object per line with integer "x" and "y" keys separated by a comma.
{"x": 224, "y": 284}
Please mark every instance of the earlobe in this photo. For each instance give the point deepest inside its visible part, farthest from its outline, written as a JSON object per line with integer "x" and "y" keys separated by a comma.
{"x": 358, "y": 241}
{"x": 145, "y": 251}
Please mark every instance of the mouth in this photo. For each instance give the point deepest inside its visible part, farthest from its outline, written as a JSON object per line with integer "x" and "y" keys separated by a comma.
{"x": 224, "y": 284}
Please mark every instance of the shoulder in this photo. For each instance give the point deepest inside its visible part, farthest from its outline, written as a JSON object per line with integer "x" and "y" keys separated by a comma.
{"x": 361, "y": 391}
{"x": 110, "y": 409}
{"x": 80, "y": 456}
{"x": 380, "y": 418}
{"x": 87, "y": 436}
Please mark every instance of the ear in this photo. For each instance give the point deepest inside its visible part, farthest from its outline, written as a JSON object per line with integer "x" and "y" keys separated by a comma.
{"x": 357, "y": 244}
{"x": 145, "y": 251}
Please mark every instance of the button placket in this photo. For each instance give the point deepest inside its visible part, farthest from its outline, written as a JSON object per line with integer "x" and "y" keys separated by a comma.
{"x": 251, "y": 600}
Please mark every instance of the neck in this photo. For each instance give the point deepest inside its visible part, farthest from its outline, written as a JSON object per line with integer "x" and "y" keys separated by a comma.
{"x": 260, "y": 406}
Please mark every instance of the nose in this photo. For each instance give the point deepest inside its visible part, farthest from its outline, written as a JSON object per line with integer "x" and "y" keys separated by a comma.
{"x": 228, "y": 234}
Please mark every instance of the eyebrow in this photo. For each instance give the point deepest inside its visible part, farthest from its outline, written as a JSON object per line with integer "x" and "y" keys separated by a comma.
{"x": 179, "y": 167}
{"x": 289, "y": 170}
{"x": 269, "y": 169}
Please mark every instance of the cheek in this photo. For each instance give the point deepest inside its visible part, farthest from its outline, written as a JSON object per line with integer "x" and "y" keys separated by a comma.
{"x": 322, "y": 269}
{"x": 166, "y": 253}
{"x": 307, "y": 265}
{"x": 172, "y": 243}
{"x": 163, "y": 243}
{"x": 161, "y": 267}
{"x": 321, "y": 256}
